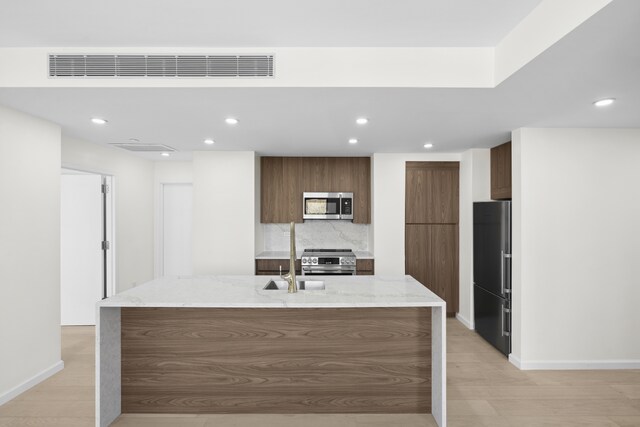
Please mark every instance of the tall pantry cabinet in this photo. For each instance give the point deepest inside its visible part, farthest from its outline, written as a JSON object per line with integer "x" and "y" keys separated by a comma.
{"x": 431, "y": 227}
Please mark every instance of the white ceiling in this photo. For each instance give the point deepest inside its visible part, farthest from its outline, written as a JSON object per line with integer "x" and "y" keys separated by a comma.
{"x": 598, "y": 59}
{"x": 260, "y": 23}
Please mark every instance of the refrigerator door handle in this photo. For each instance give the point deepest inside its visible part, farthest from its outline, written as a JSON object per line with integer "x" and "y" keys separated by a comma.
{"x": 503, "y": 288}
{"x": 502, "y": 272}
{"x": 502, "y": 328}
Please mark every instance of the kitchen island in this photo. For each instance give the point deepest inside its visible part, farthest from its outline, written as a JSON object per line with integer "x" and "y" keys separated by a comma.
{"x": 223, "y": 344}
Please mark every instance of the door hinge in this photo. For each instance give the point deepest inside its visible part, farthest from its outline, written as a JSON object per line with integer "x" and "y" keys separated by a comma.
{"x": 105, "y": 245}
{"x": 105, "y": 188}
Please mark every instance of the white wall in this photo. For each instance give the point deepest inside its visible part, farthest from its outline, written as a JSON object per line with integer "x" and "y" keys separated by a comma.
{"x": 29, "y": 251}
{"x": 475, "y": 185}
{"x": 224, "y": 212}
{"x": 388, "y": 206}
{"x": 133, "y": 190}
{"x": 576, "y": 245}
{"x": 172, "y": 173}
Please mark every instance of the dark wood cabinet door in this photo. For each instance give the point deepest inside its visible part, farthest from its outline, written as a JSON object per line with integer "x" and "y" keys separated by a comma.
{"x": 501, "y": 172}
{"x": 271, "y": 267}
{"x": 281, "y": 189}
{"x": 431, "y": 257}
{"x": 293, "y": 188}
{"x": 432, "y": 193}
{"x": 316, "y": 174}
{"x": 364, "y": 267}
{"x": 361, "y": 177}
{"x": 340, "y": 174}
{"x": 272, "y": 192}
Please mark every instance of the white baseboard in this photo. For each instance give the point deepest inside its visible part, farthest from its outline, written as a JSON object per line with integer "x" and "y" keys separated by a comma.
{"x": 464, "y": 321}
{"x": 35, "y": 380}
{"x": 515, "y": 361}
{"x": 569, "y": 365}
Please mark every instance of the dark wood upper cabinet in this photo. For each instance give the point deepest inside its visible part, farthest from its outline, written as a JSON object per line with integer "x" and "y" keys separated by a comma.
{"x": 279, "y": 182}
{"x": 501, "y": 172}
{"x": 361, "y": 183}
{"x": 315, "y": 174}
{"x": 432, "y": 192}
{"x": 292, "y": 171}
{"x": 284, "y": 179}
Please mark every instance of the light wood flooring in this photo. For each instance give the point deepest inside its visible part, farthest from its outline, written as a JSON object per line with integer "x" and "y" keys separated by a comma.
{"x": 484, "y": 390}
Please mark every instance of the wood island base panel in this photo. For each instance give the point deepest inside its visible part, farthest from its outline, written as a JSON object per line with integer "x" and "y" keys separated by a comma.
{"x": 227, "y": 345}
{"x": 271, "y": 360}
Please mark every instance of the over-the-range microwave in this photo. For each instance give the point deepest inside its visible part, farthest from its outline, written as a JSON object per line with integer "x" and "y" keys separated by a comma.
{"x": 327, "y": 205}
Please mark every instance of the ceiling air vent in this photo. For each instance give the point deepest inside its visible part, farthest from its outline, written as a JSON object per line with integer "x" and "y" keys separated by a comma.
{"x": 161, "y": 66}
{"x": 137, "y": 146}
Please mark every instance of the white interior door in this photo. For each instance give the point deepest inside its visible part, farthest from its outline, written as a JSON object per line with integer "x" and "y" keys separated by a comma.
{"x": 81, "y": 257}
{"x": 177, "y": 229}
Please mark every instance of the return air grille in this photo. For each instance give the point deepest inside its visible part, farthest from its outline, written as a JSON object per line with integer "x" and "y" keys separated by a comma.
{"x": 143, "y": 147}
{"x": 161, "y": 66}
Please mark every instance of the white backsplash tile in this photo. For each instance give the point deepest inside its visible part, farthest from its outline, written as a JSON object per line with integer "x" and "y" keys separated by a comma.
{"x": 319, "y": 235}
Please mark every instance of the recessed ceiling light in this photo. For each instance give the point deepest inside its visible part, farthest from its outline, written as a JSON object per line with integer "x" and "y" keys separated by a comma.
{"x": 362, "y": 120}
{"x": 134, "y": 140}
{"x": 428, "y": 145}
{"x": 165, "y": 154}
{"x": 231, "y": 121}
{"x": 604, "y": 102}
{"x": 209, "y": 141}
{"x": 353, "y": 141}
{"x": 98, "y": 121}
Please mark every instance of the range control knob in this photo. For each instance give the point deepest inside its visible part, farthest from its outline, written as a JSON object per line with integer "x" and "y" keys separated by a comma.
{"x": 305, "y": 260}
{"x": 314, "y": 260}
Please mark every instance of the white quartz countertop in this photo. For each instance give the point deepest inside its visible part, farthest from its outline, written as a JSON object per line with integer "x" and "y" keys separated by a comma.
{"x": 248, "y": 292}
{"x": 285, "y": 255}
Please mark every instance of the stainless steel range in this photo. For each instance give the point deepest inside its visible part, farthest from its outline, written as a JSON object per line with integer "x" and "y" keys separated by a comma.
{"x": 328, "y": 261}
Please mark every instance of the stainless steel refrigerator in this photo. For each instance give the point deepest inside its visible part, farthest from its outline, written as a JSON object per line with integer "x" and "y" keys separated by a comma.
{"x": 492, "y": 272}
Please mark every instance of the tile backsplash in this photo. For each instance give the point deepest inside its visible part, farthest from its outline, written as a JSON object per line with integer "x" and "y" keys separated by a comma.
{"x": 319, "y": 235}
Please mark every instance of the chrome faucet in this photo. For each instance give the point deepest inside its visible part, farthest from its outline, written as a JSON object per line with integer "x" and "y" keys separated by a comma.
{"x": 290, "y": 277}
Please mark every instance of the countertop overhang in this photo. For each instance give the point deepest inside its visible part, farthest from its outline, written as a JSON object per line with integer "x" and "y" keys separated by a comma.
{"x": 248, "y": 292}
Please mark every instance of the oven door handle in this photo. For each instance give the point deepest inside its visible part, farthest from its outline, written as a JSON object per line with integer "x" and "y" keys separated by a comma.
{"x": 328, "y": 269}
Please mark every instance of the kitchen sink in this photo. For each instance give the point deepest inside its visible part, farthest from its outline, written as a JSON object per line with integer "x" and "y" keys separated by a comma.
{"x": 303, "y": 285}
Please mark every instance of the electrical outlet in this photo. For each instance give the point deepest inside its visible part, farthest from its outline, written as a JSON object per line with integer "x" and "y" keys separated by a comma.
{"x": 286, "y": 233}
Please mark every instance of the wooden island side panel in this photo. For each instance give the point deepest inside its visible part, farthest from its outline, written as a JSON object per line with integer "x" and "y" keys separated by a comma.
{"x": 271, "y": 360}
